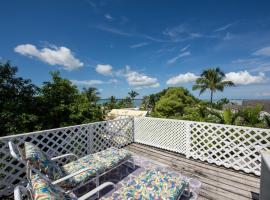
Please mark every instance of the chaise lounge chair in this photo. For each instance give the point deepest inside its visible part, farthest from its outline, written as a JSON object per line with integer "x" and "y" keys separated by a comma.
{"x": 150, "y": 184}
{"x": 74, "y": 174}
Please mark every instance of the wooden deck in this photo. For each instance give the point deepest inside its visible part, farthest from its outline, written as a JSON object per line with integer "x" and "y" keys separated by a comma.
{"x": 218, "y": 183}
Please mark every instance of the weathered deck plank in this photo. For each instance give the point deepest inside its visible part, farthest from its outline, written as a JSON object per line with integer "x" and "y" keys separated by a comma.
{"x": 218, "y": 183}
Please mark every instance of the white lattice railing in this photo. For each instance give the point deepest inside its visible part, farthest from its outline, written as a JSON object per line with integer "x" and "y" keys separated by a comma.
{"x": 231, "y": 146}
{"x": 81, "y": 140}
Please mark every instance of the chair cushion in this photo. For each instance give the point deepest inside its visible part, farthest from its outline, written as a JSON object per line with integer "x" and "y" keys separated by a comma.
{"x": 96, "y": 163}
{"x": 43, "y": 190}
{"x": 151, "y": 184}
{"x": 42, "y": 162}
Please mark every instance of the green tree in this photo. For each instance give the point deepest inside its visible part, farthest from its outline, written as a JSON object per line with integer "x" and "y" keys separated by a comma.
{"x": 149, "y": 102}
{"x": 56, "y": 98}
{"x": 92, "y": 94}
{"x": 173, "y": 103}
{"x": 212, "y": 79}
{"x": 225, "y": 117}
{"x": 251, "y": 115}
{"x": 17, "y": 102}
{"x": 267, "y": 121}
{"x": 132, "y": 94}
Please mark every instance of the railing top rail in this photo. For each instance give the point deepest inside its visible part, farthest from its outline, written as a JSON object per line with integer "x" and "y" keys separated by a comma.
{"x": 58, "y": 129}
{"x": 208, "y": 123}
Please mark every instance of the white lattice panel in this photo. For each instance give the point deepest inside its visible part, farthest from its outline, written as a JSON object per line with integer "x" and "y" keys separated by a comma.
{"x": 163, "y": 133}
{"x": 104, "y": 134}
{"x": 231, "y": 146}
{"x": 81, "y": 140}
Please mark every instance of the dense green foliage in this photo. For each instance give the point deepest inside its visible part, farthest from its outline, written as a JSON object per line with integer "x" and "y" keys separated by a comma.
{"x": 24, "y": 107}
{"x": 178, "y": 103}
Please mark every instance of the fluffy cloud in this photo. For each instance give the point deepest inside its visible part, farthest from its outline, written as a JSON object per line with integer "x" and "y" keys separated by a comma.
{"x": 105, "y": 70}
{"x": 245, "y": 78}
{"x": 262, "y": 52}
{"x": 239, "y": 78}
{"x": 138, "y": 80}
{"x": 182, "y": 78}
{"x": 53, "y": 56}
{"x": 174, "y": 59}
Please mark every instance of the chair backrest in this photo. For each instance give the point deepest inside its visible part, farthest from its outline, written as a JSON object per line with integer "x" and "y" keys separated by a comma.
{"x": 16, "y": 152}
{"x": 40, "y": 188}
{"x": 36, "y": 161}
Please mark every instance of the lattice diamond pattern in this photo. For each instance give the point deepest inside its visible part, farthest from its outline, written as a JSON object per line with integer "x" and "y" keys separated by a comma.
{"x": 230, "y": 146}
{"x": 80, "y": 140}
{"x": 167, "y": 134}
{"x": 104, "y": 134}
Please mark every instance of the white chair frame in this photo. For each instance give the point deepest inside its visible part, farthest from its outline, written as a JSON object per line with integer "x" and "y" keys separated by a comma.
{"x": 17, "y": 154}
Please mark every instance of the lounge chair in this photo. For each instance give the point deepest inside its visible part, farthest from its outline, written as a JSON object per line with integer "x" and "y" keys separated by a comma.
{"x": 74, "y": 174}
{"x": 150, "y": 184}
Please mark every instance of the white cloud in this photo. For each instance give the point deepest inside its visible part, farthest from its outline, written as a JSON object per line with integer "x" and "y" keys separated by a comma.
{"x": 113, "y": 81}
{"x": 185, "y": 48}
{"x": 108, "y": 17}
{"x": 93, "y": 82}
{"x": 182, "y": 78}
{"x": 181, "y": 33}
{"x": 174, "y": 59}
{"x": 223, "y": 28}
{"x": 87, "y": 82}
{"x": 105, "y": 70}
{"x": 262, "y": 52}
{"x": 53, "y": 56}
{"x": 245, "y": 78}
{"x": 139, "y": 45}
{"x": 138, "y": 80}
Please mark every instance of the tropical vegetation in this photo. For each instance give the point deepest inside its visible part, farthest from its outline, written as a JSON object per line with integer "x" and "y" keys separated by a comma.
{"x": 212, "y": 79}
{"x": 25, "y": 107}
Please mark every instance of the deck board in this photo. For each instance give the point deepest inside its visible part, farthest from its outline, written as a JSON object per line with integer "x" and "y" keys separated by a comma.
{"x": 218, "y": 182}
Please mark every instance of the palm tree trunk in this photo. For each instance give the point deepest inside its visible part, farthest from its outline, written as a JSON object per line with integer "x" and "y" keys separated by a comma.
{"x": 211, "y": 99}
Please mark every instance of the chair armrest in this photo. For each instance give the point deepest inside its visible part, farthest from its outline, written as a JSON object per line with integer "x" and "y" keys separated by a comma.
{"x": 70, "y": 176}
{"x": 96, "y": 190}
{"x": 65, "y": 155}
{"x": 18, "y": 191}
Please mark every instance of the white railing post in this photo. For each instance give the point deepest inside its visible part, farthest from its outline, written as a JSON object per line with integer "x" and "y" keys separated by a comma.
{"x": 188, "y": 139}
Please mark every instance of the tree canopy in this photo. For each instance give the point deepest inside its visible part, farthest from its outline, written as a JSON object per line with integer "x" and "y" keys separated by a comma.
{"x": 24, "y": 107}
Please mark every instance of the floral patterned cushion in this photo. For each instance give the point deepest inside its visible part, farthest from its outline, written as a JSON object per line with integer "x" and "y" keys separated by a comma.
{"x": 42, "y": 162}
{"x": 43, "y": 190}
{"x": 96, "y": 163}
{"x": 151, "y": 184}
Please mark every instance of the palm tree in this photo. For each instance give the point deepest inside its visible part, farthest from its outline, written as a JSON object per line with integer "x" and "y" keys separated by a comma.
{"x": 133, "y": 94}
{"x": 226, "y": 116}
{"x": 92, "y": 94}
{"x": 212, "y": 79}
{"x": 112, "y": 102}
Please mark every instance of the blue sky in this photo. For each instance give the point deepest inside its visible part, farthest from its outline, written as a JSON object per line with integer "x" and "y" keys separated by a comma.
{"x": 121, "y": 45}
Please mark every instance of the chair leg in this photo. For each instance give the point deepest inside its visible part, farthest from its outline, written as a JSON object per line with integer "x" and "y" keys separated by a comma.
{"x": 97, "y": 184}
{"x": 186, "y": 193}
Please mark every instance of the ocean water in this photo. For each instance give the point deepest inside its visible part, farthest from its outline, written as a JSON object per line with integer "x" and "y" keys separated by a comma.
{"x": 136, "y": 102}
